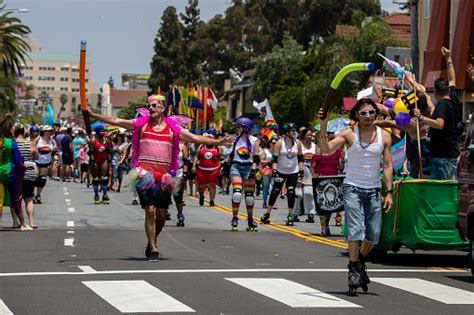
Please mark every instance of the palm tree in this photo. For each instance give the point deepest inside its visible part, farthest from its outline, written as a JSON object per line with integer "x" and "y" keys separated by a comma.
{"x": 13, "y": 47}
{"x": 63, "y": 101}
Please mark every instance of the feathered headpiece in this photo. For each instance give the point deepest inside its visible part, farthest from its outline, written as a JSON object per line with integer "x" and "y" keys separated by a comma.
{"x": 156, "y": 99}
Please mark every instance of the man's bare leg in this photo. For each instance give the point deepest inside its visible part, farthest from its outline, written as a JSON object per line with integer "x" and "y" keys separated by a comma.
{"x": 150, "y": 227}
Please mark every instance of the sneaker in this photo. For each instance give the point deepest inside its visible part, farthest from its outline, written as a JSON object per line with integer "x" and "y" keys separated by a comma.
{"x": 154, "y": 256}
{"x": 264, "y": 205}
{"x": 26, "y": 228}
{"x": 147, "y": 251}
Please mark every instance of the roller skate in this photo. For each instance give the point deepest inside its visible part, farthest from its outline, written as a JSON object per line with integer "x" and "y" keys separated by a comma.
{"x": 201, "y": 201}
{"x": 135, "y": 202}
{"x": 96, "y": 199}
{"x": 338, "y": 219}
{"x": 180, "y": 222}
{"x": 253, "y": 227}
{"x": 310, "y": 218}
{"x": 289, "y": 219}
{"x": 364, "y": 277}
{"x": 167, "y": 216}
{"x": 105, "y": 199}
{"x": 235, "y": 223}
{"x": 296, "y": 218}
{"x": 265, "y": 219}
{"x": 353, "y": 278}
{"x": 211, "y": 203}
{"x": 37, "y": 199}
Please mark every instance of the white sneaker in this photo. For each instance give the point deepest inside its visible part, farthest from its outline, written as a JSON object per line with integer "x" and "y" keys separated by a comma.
{"x": 26, "y": 228}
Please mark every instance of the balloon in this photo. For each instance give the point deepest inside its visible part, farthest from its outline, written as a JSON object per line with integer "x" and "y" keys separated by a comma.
{"x": 402, "y": 119}
{"x": 400, "y": 107}
{"x": 389, "y": 102}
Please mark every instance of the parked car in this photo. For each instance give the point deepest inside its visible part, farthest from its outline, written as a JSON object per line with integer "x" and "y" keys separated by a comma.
{"x": 466, "y": 191}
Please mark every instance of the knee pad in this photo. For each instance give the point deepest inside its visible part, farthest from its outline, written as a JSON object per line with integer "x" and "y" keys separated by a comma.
{"x": 95, "y": 181}
{"x": 249, "y": 199}
{"x": 104, "y": 180}
{"x": 41, "y": 181}
{"x": 237, "y": 195}
{"x": 291, "y": 191}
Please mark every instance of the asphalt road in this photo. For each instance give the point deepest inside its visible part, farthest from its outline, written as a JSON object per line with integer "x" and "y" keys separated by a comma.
{"x": 88, "y": 259}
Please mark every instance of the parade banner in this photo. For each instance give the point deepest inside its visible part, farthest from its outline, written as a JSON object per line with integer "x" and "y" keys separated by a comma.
{"x": 328, "y": 193}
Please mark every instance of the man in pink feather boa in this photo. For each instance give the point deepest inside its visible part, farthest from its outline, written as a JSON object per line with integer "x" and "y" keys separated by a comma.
{"x": 155, "y": 145}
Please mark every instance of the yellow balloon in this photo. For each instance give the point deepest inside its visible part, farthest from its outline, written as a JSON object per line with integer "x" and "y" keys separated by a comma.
{"x": 400, "y": 108}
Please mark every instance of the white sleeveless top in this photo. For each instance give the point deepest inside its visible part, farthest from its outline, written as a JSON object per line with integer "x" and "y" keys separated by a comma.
{"x": 45, "y": 151}
{"x": 242, "y": 154}
{"x": 363, "y": 164}
{"x": 308, "y": 157}
{"x": 288, "y": 160}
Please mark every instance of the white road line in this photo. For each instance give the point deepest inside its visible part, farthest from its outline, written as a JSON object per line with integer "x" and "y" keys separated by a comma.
{"x": 68, "y": 204}
{"x": 69, "y": 241}
{"x": 136, "y": 296}
{"x": 191, "y": 271}
{"x": 70, "y": 209}
{"x": 66, "y": 194}
{"x": 70, "y": 232}
{"x": 291, "y": 293}
{"x": 87, "y": 269}
{"x": 4, "y": 310}
{"x": 65, "y": 188}
{"x": 67, "y": 200}
{"x": 70, "y": 224}
{"x": 432, "y": 290}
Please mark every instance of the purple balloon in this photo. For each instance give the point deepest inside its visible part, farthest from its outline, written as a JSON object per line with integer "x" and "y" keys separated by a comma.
{"x": 389, "y": 102}
{"x": 173, "y": 172}
{"x": 402, "y": 119}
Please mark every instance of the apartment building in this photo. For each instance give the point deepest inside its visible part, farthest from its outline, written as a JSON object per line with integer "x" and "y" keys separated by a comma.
{"x": 57, "y": 74}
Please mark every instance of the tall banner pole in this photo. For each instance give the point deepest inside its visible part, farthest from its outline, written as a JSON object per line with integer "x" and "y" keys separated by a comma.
{"x": 82, "y": 86}
{"x": 418, "y": 140}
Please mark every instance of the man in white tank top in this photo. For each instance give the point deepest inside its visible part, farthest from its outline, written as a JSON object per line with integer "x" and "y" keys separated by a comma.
{"x": 367, "y": 145}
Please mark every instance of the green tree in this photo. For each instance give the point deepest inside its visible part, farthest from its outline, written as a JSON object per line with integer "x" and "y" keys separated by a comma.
{"x": 168, "y": 64}
{"x": 270, "y": 68}
{"x": 13, "y": 47}
{"x": 192, "y": 21}
{"x": 130, "y": 111}
{"x": 111, "y": 83}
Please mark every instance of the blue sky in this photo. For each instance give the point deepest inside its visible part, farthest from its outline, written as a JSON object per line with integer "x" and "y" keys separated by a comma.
{"x": 120, "y": 33}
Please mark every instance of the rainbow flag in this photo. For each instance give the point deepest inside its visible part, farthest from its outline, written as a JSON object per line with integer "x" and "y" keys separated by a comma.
{"x": 398, "y": 154}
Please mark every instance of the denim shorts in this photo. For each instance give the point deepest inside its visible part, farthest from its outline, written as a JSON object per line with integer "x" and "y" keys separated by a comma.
{"x": 363, "y": 213}
{"x": 444, "y": 169}
{"x": 240, "y": 170}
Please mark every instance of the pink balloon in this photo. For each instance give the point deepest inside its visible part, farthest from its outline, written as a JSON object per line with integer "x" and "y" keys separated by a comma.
{"x": 402, "y": 119}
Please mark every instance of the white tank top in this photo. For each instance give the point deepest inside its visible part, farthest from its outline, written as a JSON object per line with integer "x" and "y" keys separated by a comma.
{"x": 45, "y": 151}
{"x": 243, "y": 154}
{"x": 226, "y": 151}
{"x": 308, "y": 157}
{"x": 288, "y": 160}
{"x": 363, "y": 164}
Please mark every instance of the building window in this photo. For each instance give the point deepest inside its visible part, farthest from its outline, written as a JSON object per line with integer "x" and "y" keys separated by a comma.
{"x": 64, "y": 69}
{"x": 427, "y": 9}
{"x": 40, "y": 78}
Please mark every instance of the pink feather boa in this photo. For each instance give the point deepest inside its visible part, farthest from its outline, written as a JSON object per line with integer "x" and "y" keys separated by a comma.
{"x": 138, "y": 125}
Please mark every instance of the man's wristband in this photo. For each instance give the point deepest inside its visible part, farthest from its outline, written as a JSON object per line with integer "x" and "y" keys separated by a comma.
{"x": 449, "y": 63}
{"x": 390, "y": 191}
{"x": 325, "y": 136}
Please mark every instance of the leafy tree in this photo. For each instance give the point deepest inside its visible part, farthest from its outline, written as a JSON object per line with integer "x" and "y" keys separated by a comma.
{"x": 270, "y": 68}
{"x": 168, "y": 63}
{"x": 111, "y": 83}
{"x": 192, "y": 22}
{"x": 13, "y": 47}
{"x": 129, "y": 112}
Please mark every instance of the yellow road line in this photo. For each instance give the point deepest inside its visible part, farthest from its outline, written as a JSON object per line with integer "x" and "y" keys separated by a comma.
{"x": 301, "y": 234}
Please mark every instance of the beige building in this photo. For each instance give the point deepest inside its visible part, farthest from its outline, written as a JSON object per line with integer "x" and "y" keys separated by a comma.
{"x": 57, "y": 74}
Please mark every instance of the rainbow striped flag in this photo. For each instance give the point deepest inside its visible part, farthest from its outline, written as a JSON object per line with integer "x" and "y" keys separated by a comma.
{"x": 399, "y": 154}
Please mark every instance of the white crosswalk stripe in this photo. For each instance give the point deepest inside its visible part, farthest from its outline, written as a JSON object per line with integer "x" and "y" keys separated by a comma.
{"x": 4, "y": 310}
{"x": 432, "y": 290}
{"x": 291, "y": 293}
{"x": 136, "y": 297}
